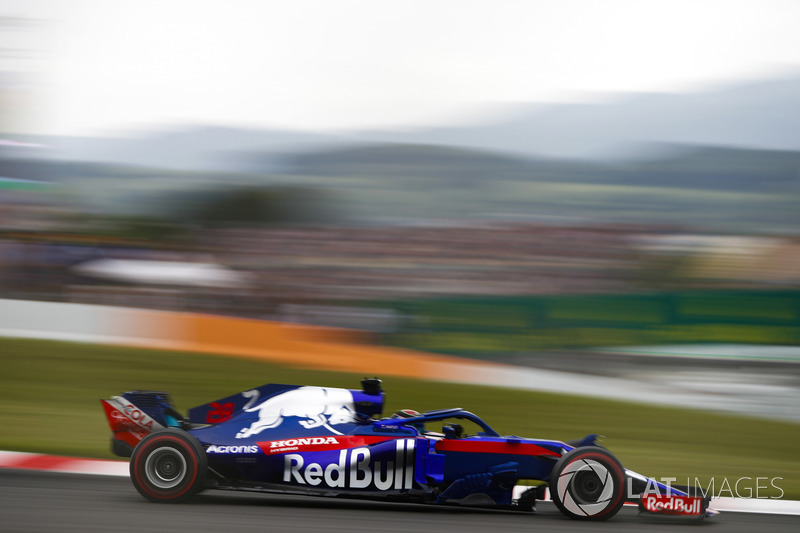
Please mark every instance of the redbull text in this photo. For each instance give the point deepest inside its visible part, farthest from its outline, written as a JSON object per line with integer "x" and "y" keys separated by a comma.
{"x": 682, "y": 505}
{"x": 355, "y": 469}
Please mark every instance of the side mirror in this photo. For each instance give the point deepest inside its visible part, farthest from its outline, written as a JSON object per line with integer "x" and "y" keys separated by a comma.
{"x": 453, "y": 431}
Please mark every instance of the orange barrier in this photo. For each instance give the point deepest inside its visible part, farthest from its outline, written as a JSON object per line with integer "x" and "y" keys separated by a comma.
{"x": 295, "y": 345}
{"x": 289, "y": 344}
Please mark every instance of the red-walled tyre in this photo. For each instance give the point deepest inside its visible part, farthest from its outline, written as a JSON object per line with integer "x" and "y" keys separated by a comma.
{"x": 168, "y": 466}
{"x": 588, "y": 483}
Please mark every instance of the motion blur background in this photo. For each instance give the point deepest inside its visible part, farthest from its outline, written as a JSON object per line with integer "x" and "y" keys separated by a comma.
{"x": 513, "y": 181}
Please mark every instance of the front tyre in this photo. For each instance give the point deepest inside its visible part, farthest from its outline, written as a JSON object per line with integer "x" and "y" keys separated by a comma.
{"x": 168, "y": 466}
{"x": 588, "y": 483}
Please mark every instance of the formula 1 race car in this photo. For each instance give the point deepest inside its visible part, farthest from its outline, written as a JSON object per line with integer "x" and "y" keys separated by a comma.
{"x": 330, "y": 442}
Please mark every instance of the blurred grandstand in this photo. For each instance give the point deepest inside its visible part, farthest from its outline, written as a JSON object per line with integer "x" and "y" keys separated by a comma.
{"x": 326, "y": 241}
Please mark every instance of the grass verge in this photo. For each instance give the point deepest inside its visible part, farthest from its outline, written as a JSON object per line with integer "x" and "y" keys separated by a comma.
{"x": 49, "y": 394}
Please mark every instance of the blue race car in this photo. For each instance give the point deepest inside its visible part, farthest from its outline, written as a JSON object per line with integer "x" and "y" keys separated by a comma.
{"x": 331, "y": 442}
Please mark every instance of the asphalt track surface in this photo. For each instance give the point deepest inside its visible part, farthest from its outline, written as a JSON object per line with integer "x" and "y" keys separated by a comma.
{"x": 48, "y": 502}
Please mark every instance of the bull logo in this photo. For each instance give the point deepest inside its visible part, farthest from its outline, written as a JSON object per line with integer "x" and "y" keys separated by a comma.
{"x": 316, "y": 406}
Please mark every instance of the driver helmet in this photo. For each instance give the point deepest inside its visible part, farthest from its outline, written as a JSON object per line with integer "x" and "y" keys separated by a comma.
{"x": 410, "y": 413}
{"x": 406, "y": 413}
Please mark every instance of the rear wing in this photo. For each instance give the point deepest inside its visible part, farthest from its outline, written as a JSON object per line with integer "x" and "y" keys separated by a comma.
{"x": 134, "y": 415}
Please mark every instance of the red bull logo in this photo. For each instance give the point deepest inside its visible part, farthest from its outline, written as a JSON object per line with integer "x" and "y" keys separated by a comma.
{"x": 314, "y": 406}
{"x": 355, "y": 469}
{"x": 681, "y": 505}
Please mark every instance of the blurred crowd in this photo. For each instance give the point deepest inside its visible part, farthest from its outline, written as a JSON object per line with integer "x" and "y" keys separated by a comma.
{"x": 325, "y": 274}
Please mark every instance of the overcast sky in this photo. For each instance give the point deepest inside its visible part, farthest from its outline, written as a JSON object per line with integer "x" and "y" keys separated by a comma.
{"x": 112, "y": 65}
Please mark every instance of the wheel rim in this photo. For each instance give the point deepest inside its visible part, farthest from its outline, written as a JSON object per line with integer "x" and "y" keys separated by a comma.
{"x": 586, "y": 487}
{"x": 165, "y": 468}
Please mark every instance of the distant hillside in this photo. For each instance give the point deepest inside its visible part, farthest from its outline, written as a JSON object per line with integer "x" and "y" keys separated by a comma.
{"x": 725, "y": 159}
{"x": 52, "y": 170}
{"x": 725, "y": 169}
{"x": 717, "y": 188}
{"x": 181, "y": 148}
{"x": 399, "y": 161}
{"x": 754, "y": 114}
{"x": 761, "y": 114}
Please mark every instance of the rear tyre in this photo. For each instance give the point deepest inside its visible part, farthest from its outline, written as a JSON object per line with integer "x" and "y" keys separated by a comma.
{"x": 168, "y": 466}
{"x": 588, "y": 484}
